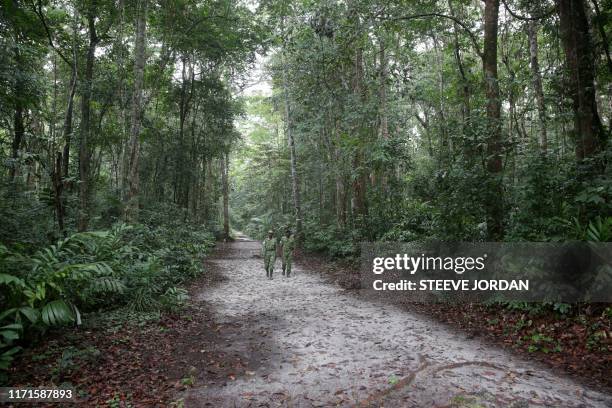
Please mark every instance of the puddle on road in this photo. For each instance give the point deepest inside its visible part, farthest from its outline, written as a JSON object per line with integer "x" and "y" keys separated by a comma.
{"x": 321, "y": 346}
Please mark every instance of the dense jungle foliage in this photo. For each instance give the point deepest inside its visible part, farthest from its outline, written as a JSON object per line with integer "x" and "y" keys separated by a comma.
{"x": 449, "y": 120}
{"x": 128, "y": 143}
{"x": 452, "y": 120}
{"x": 115, "y": 120}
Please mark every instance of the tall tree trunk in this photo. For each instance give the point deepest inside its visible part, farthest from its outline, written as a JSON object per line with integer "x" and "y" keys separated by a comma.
{"x": 465, "y": 84}
{"x": 68, "y": 122}
{"x": 383, "y": 110}
{"x": 225, "y": 188}
{"x": 340, "y": 197}
{"x": 295, "y": 184}
{"x": 85, "y": 127}
{"x": 532, "y": 33}
{"x": 58, "y": 187}
{"x": 208, "y": 186}
{"x": 578, "y": 48}
{"x": 602, "y": 32}
{"x": 358, "y": 203}
{"x": 68, "y": 127}
{"x": 18, "y": 125}
{"x": 62, "y": 162}
{"x": 131, "y": 208}
{"x": 194, "y": 176}
{"x": 203, "y": 191}
{"x": 180, "y": 191}
{"x": 19, "y": 131}
{"x": 340, "y": 200}
{"x": 494, "y": 204}
{"x": 384, "y": 74}
{"x": 447, "y": 147}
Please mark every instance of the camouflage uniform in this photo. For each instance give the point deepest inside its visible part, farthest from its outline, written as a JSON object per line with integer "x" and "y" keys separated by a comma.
{"x": 288, "y": 245}
{"x": 269, "y": 255}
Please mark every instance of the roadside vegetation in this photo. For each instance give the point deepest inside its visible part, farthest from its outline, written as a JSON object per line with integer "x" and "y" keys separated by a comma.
{"x": 116, "y": 119}
{"x": 139, "y": 268}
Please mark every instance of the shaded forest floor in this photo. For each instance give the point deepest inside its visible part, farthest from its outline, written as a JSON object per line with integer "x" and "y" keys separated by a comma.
{"x": 580, "y": 346}
{"x": 177, "y": 359}
{"x": 132, "y": 359}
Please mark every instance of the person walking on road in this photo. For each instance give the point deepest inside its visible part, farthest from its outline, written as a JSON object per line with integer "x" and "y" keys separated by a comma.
{"x": 269, "y": 253}
{"x": 288, "y": 245}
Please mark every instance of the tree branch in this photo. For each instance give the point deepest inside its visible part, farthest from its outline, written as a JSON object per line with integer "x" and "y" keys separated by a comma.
{"x": 524, "y": 18}
{"x": 602, "y": 33}
{"x": 473, "y": 37}
{"x": 39, "y": 13}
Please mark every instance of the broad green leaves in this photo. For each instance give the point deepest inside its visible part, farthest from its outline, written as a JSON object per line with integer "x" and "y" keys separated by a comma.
{"x": 137, "y": 266}
{"x": 57, "y": 312}
{"x": 10, "y": 280}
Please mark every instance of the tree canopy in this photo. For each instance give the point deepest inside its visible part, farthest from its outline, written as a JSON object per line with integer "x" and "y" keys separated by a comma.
{"x": 450, "y": 120}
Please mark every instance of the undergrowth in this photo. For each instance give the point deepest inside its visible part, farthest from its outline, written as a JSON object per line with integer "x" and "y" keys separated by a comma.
{"x": 137, "y": 268}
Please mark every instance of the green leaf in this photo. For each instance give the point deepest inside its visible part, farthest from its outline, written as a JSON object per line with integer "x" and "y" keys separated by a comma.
{"x": 57, "y": 312}
{"x": 32, "y": 314}
{"x": 10, "y": 279}
{"x": 107, "y": 284}
{"x": 7, "y": 356}
{"x": 9, "y": 334}
{"x": 12, "y": 326}
{"x": 7, "y": 312}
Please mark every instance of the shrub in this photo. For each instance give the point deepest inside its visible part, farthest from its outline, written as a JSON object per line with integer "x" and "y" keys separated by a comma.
{"x": 331, "y": 241}
{"x": 138, "y": 266}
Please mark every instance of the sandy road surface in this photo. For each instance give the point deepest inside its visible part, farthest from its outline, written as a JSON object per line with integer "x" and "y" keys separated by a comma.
{"x": 312, "y": 344}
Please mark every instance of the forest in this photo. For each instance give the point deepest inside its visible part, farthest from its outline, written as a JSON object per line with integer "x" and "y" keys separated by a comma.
{"x": 138, "y": 137}
{"x": 449, "y": 120}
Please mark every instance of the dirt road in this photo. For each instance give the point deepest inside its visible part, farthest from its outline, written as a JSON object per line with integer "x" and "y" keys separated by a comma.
{"x": 311, "y": 344}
